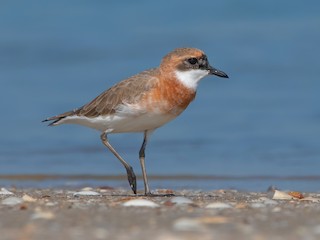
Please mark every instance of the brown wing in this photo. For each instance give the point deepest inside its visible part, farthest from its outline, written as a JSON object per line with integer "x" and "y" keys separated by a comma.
{"x": 127, "y": 91}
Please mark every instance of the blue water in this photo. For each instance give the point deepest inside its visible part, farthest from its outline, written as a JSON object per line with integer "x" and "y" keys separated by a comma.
{"x": 263, "y": 121}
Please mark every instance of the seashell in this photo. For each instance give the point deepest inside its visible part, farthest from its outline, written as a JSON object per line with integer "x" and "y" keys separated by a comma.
{"x": 4, "y": 191}
{"x": 311, "y": 199}
{"x": 296, "y": 195}
{"x": 180, "y": 200}
{"x": 279, "y": 195}
{"x": 11, "y": 201}
{"x": 219, "y": 205}
{"x": 86, "y": 193}
{"x": 87, "y": 189}
{"x": 140, "y": 203}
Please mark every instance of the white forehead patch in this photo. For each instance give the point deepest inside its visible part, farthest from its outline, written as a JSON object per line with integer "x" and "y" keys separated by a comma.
{"x": 191, "y": 77}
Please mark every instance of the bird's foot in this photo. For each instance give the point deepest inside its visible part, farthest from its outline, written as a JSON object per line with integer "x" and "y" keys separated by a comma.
{"x": 132, "y": 179}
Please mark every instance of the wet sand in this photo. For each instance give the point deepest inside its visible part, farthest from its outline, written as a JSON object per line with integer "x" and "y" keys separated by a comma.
{"x": 112, "y": 214}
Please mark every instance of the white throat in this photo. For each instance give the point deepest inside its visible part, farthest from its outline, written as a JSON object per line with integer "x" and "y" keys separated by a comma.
{"x": 191, "y": 77}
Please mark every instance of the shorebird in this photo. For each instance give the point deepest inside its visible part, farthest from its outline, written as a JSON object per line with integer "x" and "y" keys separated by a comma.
{"x": 144, "y": 102}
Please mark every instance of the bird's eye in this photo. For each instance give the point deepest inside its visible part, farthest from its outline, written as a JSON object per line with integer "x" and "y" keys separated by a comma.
{"x": 192, "y": 61}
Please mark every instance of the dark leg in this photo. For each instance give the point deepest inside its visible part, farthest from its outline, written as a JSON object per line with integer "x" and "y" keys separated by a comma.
{"x": 143, "y": 167}
{"x": 142, "y": 162}
{"x": 130, "y": 173}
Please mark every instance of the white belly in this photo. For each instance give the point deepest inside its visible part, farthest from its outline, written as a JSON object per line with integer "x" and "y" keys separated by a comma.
{"x": 120, "y": 123}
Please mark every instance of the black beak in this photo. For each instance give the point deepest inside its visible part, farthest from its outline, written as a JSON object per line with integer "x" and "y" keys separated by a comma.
{"x": 214, "y": 71}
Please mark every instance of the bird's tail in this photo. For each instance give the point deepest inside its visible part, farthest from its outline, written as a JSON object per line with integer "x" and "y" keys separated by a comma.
{"x": 56, "y": 119}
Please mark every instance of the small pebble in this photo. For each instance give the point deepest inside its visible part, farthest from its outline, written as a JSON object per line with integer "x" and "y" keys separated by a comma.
{"x": 11, "y": 201}
{"x": 140, "y": 203}
{"x": 181, "y": 200}
{"x": 267, "y": 201}
{"x": 58, "y": 191}
{"x": 4, "y": 191}
{"x": 164, "y": 191}
{"x": 261, "y": 199}
{"x": 40, "y": 214}
{"x": 170, "y": 236}
{"x": 28, "y": 198}
{"x": 23, "y": 207}
{"x": 100, "y": 233}
{"x": 86, "y": 193}
{"x": 258, "y": 205}
{"x": 270, "y": 202}
{"x": 277, "y": 209}
{"x": 80, "y": 205}
{"x": 241, "y": 205}
{"x": 220, "y": 205}
{"x": 188, "y": 224}
{"x": 103, "y": 190}
{"x": 51, "y": 204}
{"x": 316, "y": 229}
{"x": 214, "y": 220}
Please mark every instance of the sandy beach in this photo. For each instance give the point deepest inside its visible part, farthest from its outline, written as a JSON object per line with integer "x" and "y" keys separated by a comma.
{"x": 117, "y": 214}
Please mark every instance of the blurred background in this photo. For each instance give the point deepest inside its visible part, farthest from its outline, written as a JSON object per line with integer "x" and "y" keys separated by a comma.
{"x": 259, "y": 128}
